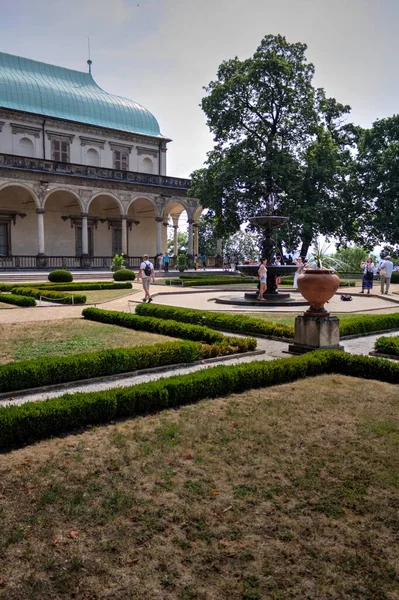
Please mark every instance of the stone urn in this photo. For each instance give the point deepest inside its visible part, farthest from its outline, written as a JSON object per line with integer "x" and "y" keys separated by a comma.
{"x": 318, "y": 286}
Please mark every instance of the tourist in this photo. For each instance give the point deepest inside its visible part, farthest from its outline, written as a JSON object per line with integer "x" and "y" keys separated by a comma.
{"x": 160, "y": 261}
{"x": 386, "y": 268}
{"x": 226, "y": 262}
{"x": 262, "y": 273}
{"x": 203, "y": 259}
{"x": 368, "y": 275}
{"x": 299, "y": 269}
{"x": 166, "y": 262}
{"x": 233, "y": 262}
{"x": 146, "y": 273}
{"x": 195, "y": 261}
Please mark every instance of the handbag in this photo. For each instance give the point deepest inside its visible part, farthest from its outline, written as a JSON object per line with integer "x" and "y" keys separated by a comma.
{"x": 369, "y": 276}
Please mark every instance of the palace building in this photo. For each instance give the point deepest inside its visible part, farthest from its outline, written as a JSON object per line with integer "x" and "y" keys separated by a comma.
{"x": 83, "y": 173}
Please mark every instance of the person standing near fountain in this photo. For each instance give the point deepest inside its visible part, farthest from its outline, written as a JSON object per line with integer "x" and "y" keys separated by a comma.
{"x": 262, "y": 272}
{"x": 300, "y": 264}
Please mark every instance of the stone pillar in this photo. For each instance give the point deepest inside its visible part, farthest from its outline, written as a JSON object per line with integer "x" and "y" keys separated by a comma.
{"x": 190, "y": 238}
{"x": 159, "y": 221}
{"x": 124, "y": 234}
{"x": 40, "y": 231}
{"x": 175, "y": 248}
{"x": 196, "y": 240}
{"x": 85, "y": 235}
{"x": 315, "y": 333}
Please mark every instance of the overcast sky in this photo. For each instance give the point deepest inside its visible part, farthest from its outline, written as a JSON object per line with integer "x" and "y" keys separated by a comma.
{"x": 161, "y": 53}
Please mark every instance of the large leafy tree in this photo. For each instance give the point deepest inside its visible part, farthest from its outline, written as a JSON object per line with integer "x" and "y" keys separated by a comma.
{"x": 379, "y": 180}
{"x": 280, "y": 145}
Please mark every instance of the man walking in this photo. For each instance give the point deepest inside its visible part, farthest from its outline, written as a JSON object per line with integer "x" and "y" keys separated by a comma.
{"x": 386, "y": 268}
{"x": 166, "y": 262}
{"x": 146, "y": 273}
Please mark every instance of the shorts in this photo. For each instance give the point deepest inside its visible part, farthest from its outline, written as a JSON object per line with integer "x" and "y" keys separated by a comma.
{"x": 262, "y": 279}
{"x": 146, "y": 283}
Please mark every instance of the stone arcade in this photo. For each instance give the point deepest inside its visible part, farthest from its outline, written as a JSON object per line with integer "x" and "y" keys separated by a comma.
{"x": 82, "y": 173}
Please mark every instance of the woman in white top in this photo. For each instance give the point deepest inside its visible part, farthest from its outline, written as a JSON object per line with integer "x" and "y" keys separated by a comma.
{"x": 300, "y": 264}
{"x": 262, "y": 272}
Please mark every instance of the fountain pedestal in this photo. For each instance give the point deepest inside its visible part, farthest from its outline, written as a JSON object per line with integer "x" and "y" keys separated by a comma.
{"x": 315, "y": 333}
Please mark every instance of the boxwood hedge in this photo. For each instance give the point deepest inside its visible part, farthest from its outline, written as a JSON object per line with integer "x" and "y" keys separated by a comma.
{"x": 387, "y": 345}
{"x": 20, "y": 425}
{"x": 226, "y": 322}
{"x": 197, "y": 280}
{"x": 58, "y": 297}
{"x": 17, "y": 300}
{"x": 361, "y": 324}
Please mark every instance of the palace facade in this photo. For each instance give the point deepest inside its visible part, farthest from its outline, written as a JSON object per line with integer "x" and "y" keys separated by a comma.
{"x": 83, "y": 173}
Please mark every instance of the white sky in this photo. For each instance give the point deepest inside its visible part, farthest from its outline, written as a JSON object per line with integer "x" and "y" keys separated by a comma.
{"x": 161, "y": 53}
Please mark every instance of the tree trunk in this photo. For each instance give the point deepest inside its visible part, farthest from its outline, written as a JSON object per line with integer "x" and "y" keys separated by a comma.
{"x": 306, "y": 241}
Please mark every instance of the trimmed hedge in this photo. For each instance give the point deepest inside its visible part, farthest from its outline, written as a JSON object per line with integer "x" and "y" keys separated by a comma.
{"x": 387, "y": 345}
{"x": 369, "y": 324}
{"x": 237, "y": 323}
{"x": 52, "y": 370}
{"x": 69, "y": 287}
{"x": 395, "y": 277}
{"x": 198, "y": 333}
{"x": 124, "y": 275}
{"x": 60, "y": 275}
{"x": 58, "y": 297}
{"x": 30, "y": 422}
{"x": 17, "y": 300}
{"x": 289, "y": 280}
{"x": 208, "y": 280}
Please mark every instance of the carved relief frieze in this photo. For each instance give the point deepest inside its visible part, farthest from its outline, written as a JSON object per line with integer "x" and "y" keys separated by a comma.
{"x": 147, "y": 151}
{"x": 85, "y": 195}
{"x": 25, "y": 129}
{"x": 86, "y": 141}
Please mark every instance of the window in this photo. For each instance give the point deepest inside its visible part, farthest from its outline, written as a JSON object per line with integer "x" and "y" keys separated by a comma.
{"x": 5, "y": 239}
{"x": 116, "y": 241}
{"x": 121, "y": 160}
{"x": 92, "y": 158}
{"x": 78, "y": 240}
{"x": 26, "y": 147}
{"x": 60, "y": 150}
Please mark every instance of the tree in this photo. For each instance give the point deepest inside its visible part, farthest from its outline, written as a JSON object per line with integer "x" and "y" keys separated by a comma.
{"x": 207, "y": 240}
{"x": 351, "y": 258}
{"x": 379, "y": 179}
{"x": 280, "y": 145}
{"x": 182, "y": 243}
{"x": 243, "y": 244}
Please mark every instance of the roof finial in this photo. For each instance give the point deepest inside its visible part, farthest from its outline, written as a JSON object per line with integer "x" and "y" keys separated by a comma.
{"x": 89, "y": 62}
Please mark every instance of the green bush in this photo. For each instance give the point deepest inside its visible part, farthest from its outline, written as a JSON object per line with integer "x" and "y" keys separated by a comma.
{"x": 69, "y": 287}
{"x": 387, "y": 345}
{"x": 289, "y": 280}
{"x": 235, "y": 323}
{"x": 395, "y": 277}
{"x": 124, "y": 275}
{"x": 187, "y": 281}
{"x": 58, "y": 297}
{"x": 29, "y": 422}
{"x": 182, "y": 262}
{"x": 17, "y": 300}
{"x": 60, "y": 275}
{"x": 368, "y": 324}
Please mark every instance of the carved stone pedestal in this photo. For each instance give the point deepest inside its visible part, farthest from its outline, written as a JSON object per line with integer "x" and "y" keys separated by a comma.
{"x": 315, "y": 333}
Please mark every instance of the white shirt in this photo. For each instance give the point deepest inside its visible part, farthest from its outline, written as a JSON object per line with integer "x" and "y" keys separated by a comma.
{"x": 144, "y": 264}
{"x": 387, "y": 265}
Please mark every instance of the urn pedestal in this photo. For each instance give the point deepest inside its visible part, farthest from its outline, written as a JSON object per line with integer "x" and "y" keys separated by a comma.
{"x": 315, "y": 333}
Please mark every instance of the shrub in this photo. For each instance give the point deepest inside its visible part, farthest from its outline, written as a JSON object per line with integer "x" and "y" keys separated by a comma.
{"x": 86, "y": 286}
{"x": 29, "y": 422}
{"x": 60, "y": 275}
{"x": 235, "y": 323}
{"x": 17, "y": 300}
{"x": 118, "y": 262}
{"x": 387, "y": 345}
{"x": 395, "y": 277}
{"x": 369, "y": 323}
{"x": 182, "y": 262}
{"x": 188, "y": 281}
{"x": 124, "y": 275}
{"x": 58, "y": 297}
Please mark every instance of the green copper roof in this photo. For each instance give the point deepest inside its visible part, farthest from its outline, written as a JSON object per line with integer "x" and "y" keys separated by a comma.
{"x": 36, "y": 87}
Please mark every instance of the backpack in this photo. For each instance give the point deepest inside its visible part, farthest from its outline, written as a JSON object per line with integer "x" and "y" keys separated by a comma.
{"x": 147, "y": 269}
{"x": 346, "y": 297}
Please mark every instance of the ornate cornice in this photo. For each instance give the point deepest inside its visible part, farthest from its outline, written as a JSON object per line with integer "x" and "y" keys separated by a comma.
{"x": 54, "y": 135}
{"x": 26, "y": 129}
{"x": 148, "y": 151}
{"x": 85, "y": 141}
{"x": 1, "y": 125}
{"x": 122, "y": 147}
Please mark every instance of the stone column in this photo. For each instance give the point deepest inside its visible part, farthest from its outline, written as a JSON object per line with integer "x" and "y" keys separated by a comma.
{"x": 190, "y": 238}
{"x": 175, "y": 248}
{"x": 159, "y": 221}
{"x": 85, "y": 235}
{"x": 196, "y": 240}
{"x": 40, "y": 231}
{"x": 124, "y": 234}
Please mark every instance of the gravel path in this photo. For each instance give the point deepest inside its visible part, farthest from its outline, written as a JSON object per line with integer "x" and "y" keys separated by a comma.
{"x": 273, "y": 350}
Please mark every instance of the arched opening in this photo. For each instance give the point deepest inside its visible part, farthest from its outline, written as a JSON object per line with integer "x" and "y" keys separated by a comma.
{"x": 92, "y": 158}
{"x": 105, "y": 226}
{"x": 177, "y": 237}
{"x": 18, "y": 221}
{"x": 142, "y": 228}
{"x": 26, "y": 147}
{"x": 147, "y": 165}
{"x": 62, "y": 216}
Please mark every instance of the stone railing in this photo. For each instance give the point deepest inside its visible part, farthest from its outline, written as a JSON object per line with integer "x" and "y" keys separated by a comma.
{"x": 10, "y": 161}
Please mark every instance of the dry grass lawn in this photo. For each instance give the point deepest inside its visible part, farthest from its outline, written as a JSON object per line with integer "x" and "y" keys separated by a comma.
{"x": 22, "y": 341}
{"x": 286, "y": 493}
